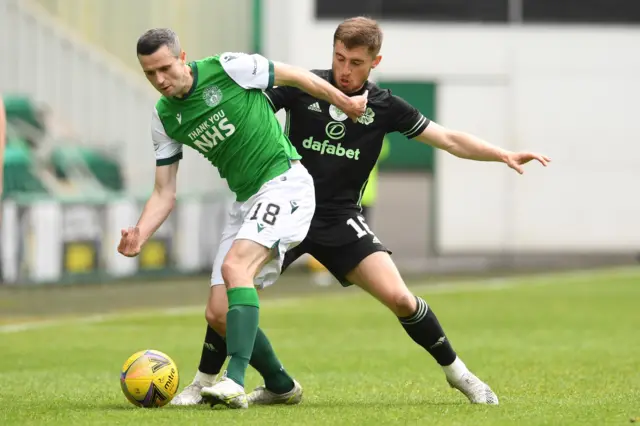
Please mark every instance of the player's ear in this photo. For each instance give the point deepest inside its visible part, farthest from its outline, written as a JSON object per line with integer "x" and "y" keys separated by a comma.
{"x": 183, "y": 56}
{"x": 376, "y": 61}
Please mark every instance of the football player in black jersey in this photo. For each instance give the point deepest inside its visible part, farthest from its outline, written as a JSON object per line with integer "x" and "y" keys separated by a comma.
{"x": 340, "y": 155}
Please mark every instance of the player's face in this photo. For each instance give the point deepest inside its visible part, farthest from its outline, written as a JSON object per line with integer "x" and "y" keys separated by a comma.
{"x": 165, "y": 72}
{"x": 351, "y": 67}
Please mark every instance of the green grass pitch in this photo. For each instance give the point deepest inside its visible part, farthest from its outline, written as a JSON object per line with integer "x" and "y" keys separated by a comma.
{"x": 558, "y": 350}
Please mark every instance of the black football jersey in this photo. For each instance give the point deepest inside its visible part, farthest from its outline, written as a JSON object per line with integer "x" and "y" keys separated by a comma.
{"x": 338, "y": 153}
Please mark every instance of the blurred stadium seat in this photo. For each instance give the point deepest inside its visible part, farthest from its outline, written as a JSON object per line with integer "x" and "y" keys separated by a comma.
{"x": 79, "y": 169}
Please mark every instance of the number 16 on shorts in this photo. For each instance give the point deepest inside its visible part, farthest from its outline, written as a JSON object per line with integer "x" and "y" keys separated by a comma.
{"x": 361, "y": 227}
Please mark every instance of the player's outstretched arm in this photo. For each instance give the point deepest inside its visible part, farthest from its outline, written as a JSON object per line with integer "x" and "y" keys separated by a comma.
{"x": 289, "y": 75}
{"x": 465, "y": 145}
{"x": 155, "y": 212}
{"x": 257, "y": 72}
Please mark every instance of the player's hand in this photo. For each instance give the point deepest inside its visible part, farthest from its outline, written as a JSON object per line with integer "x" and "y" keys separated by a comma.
{"x": 130, "y": 242}
{"x": 357, "y": 106}
{"x": 516, "y": 160}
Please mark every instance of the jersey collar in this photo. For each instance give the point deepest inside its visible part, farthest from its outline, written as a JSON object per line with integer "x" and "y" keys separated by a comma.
{"x": 194, "y": 72}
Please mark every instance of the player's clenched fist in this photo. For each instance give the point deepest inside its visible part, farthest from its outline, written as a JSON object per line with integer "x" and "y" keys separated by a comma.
{"x": 357, "y": 106}
{"x": 130, "y": 243}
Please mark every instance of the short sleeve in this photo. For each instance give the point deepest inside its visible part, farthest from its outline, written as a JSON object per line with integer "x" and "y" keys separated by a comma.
{"x": 168, "y": 151}
{"x": 248, "y": 71}
{"x": 406, "y": 119}
{"x": 281, "y": 97}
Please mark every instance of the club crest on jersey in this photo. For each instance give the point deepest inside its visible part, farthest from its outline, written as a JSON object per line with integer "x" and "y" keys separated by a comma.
{"x": 212, "y": 96}
{"x": 336, "y": 114}
{"x": 367, "y": 117}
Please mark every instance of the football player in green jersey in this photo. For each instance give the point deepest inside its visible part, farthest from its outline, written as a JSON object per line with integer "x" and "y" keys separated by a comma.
{"x": 215, "y": 105}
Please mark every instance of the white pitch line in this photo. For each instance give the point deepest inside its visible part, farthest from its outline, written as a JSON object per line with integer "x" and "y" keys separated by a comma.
{"x": 118, "y": 315}
{"x": 541, "y": 279}
{"x": 465, "y": 286}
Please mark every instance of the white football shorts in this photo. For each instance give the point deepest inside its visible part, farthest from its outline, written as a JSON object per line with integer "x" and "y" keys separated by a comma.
{"x": 277, "y": 217}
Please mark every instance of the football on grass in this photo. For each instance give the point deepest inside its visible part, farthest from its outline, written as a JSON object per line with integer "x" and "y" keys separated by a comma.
{"x": 149, "y": 379}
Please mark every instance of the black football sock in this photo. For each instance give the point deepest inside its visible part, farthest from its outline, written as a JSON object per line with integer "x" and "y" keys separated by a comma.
{"x": 214, "y": 352}
{"x": 423, "y": 327}
{"x": 263, "y": 359}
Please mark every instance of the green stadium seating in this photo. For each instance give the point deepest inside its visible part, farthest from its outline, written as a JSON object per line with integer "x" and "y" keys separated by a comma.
{"x": 18, "y": 175}
{"x": 24, "y": 127}
{"x": 106, "y": 170}
{"x": 20, "y": 107}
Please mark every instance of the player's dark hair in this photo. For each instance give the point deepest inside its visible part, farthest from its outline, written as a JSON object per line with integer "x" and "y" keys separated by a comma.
{"x": 360, "y": 31}
{"x": 155, "y": 38}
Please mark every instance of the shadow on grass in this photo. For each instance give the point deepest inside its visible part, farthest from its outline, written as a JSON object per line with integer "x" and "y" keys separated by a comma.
{"x": 307, "y": 405}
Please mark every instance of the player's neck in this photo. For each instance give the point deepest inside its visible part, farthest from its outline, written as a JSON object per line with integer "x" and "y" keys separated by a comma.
{"x": 189, "y": 82}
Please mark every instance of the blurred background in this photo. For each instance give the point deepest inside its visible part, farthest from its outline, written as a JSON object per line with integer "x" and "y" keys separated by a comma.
{"x": 561, "y": 77}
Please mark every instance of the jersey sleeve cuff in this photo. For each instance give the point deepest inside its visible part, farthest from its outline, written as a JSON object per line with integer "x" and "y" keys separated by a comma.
{"x": 272, "y": 75}
{"x": 418, "y": 128}
{"x": 170, "y": 160}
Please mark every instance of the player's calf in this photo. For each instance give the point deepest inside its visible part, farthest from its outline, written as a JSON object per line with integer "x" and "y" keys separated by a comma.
{"x": 240, "y": 265}
{"x": 217, "y": 308}
{"x": 378, "y": 275}
{"x": 425, "y": 329}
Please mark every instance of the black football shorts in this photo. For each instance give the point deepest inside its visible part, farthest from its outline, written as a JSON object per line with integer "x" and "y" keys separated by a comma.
{"x": 338, "y": 259}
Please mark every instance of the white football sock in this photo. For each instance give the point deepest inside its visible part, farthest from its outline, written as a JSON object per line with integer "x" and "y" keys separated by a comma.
{"x": 455, "y": 370}
{"x": 204, "y": 379}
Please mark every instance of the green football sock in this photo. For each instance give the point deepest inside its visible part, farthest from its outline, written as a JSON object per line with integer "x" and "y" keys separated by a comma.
{"x": 242, "y": 326}
{"x": 264, "y": 359}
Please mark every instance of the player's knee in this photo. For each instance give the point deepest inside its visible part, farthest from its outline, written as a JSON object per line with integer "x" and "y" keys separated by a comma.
{"x": 233, "y": 270}
{"x": 217, "y": 319}
{"x": 403, "y": 304}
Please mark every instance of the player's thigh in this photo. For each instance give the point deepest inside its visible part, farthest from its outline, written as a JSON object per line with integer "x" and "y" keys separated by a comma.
{"x": 229, "y": 234}
{"x": 279, "y": 219}
{"x": 340, "y": 260}
{"x": 245, "y": 259}
{"x": 373, "y": 270}
{"x": 378, "y": 275}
